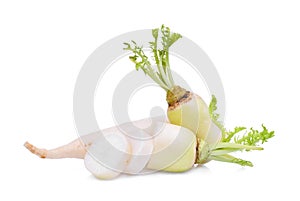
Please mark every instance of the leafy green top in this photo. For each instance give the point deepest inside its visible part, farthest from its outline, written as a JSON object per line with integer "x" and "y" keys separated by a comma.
{"x": 160, "y": 72}
{"x": 215, "y": 116}
{"x": 232, "y": 140}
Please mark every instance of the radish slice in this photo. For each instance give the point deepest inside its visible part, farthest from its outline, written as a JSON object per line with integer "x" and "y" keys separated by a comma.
{"x": 108, "y": 156}
{"x": 98, "y": 170}
{"x": 174, "y": 148}
{"x": 141, "y": 150}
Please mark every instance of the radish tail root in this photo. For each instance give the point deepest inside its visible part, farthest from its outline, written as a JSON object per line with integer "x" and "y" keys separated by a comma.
{"x": 42, "y": 153}
{"x": 75, "y": 149}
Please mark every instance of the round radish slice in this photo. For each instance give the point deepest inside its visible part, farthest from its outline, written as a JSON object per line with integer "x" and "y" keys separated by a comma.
{"x": 98, "y": 170}
{"x": 141, "y": 150}
{"x": 174, "y": 148}
{"x": 108, "y": 156}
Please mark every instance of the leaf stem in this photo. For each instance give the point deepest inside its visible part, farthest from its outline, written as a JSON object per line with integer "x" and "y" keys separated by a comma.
{"x": 228, "y": 145}
{"x": 169, "y": 73}
{"x": 219, "y": 152}
{"x": 230, "y": 159}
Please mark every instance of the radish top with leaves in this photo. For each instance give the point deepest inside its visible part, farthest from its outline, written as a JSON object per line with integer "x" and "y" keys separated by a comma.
{"x": 189, "y": 110}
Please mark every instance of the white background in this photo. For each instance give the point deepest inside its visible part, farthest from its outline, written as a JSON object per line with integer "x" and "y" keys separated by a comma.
{"x": 255, "y": 46}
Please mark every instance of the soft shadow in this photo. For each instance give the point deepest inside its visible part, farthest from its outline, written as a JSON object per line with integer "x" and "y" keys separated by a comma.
{"x": 200, "y": 170}
{"x": 241, "y": 169}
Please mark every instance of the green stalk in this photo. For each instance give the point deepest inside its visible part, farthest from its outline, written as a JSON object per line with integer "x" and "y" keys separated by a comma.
{"x": 161, "y": 73}
{"x": 155, "y": 77}
{"x": 227, "y": 145}
{"x": 223, "y": 151}
{"x": 230, "y": 159}
{"x": 163, "y": 76}
{"x": 220, "y": 152}
{"x": 169, "y": 73}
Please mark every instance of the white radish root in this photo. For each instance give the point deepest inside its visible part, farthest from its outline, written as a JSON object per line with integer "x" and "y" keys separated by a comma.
{"x": 77, "y": 148}
{"x": 132, "y": 148}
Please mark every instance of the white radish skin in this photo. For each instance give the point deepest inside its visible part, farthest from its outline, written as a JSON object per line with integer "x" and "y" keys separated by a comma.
{"x": 214, "y": 135}
{"x": 192, "y": 114}
{"x": 108, "y": 156}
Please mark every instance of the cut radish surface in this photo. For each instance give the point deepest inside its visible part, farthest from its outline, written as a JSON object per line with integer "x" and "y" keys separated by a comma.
{"x": 141, "y": 150}
{"x": 108, "y": 156}
{"x": 97, "y": 169}
{"x": 174, "y": 148}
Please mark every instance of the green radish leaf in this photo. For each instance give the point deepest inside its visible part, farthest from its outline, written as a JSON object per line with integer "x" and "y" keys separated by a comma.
{"x": 255, "y": 137}
{"x": 160, "y": 73}
{"x": 232, "y": 141}
{"x": 168, "y": 38}
{"x": 215, "y": 116}
{"x": 229, "y": 135}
